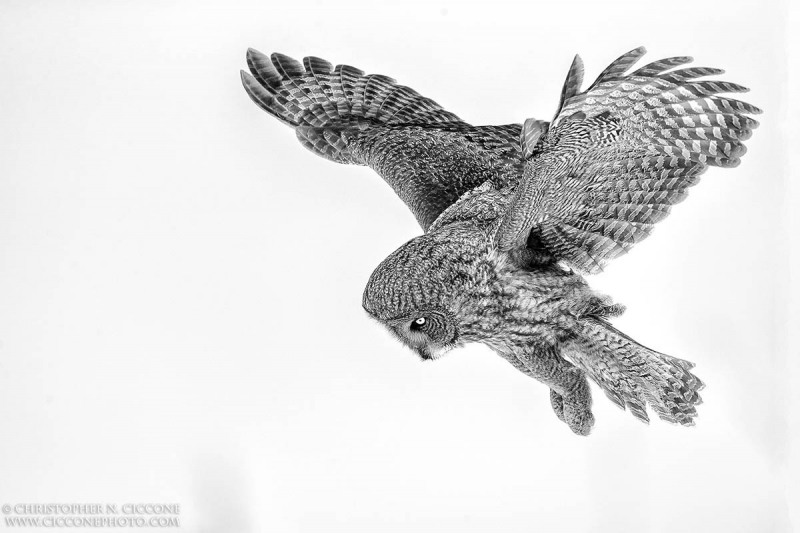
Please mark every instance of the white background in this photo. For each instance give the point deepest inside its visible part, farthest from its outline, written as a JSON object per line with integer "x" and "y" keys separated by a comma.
{"x": 180, "y": 281}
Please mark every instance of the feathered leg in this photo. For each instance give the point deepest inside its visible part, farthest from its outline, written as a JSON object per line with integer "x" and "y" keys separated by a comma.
{"x": 570, "y": 395}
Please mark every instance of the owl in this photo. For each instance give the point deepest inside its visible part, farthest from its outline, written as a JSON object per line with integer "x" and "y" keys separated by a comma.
{"x": 513, "y": 216}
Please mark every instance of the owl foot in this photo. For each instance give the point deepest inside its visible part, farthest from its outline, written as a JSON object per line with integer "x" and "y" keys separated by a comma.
{"x": 579, "y": 418}
{"x": 557, "y": 401}
{"x": 575, "y": 408}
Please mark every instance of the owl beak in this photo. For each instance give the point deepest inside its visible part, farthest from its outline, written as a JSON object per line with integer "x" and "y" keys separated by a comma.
{"x": 424, "y": 353}
{"x": 429, "y": 353}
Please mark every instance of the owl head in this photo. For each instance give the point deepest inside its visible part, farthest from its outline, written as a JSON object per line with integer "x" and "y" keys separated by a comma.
{"x": 420, "y": 290}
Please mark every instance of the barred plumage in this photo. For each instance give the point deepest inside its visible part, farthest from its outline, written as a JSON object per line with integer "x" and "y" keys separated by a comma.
{"x": 617, "y": 156}
{"x": 347, "y": 116}
{"x": 633, "y": 376}
{"x": 513, "y": 213}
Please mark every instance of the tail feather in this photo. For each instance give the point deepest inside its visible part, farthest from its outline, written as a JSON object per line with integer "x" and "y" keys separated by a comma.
{"x": 633, "y": 376}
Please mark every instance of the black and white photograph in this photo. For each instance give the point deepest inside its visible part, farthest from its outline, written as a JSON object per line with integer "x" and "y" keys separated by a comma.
{"x": 417, "y": 266}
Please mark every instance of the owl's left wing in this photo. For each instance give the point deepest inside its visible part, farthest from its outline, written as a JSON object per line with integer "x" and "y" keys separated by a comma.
{"x": 619, "y": 155}
{"x": 427, "y": 154}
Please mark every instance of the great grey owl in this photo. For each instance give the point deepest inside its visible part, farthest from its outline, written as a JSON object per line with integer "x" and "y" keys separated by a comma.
{"x": 514, "y": 214}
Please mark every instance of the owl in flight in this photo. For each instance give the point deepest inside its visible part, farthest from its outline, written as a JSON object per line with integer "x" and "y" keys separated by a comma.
{"x": 513, "y": 215}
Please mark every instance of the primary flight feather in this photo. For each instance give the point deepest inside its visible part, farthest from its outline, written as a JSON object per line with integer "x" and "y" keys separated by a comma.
{"x": 513, "y": 214}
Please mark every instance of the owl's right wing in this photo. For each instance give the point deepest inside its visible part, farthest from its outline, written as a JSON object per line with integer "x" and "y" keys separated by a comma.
{"x": 619, "y": 155}
{"x": 428, "y": 155}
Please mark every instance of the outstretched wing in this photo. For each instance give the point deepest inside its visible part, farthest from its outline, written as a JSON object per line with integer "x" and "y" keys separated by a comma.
{"x": 619, "y": 155}
{"x": 427, "y": 154}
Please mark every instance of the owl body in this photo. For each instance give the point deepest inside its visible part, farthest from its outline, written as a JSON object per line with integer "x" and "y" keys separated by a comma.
{"x": 544, "y": 319}
{"x": 514, "y": 215}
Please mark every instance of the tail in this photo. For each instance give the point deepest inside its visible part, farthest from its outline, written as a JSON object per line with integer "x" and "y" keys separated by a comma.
{"x": 326, "y": 104}
{"x": 633, "y": 376}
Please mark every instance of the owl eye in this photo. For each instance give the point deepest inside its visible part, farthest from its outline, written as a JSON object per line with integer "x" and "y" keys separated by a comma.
{"x": 418, "y": 323}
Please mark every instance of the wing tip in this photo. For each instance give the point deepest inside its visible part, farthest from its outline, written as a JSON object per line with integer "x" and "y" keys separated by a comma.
{"x": 637, "y": 53}
{"x": 256, "y": 58}
{"x": 287, "y": 62}
{"x": 252, "y": 52}
{"x": 250, "y": 83}
{"x": 263, "y": 69}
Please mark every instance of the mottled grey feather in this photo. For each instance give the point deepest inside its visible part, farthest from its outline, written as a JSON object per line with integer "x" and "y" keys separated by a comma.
{"x": 428, "y": 155}
{"x": 618, "y": 156}
{"x": 512, "y": 212}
